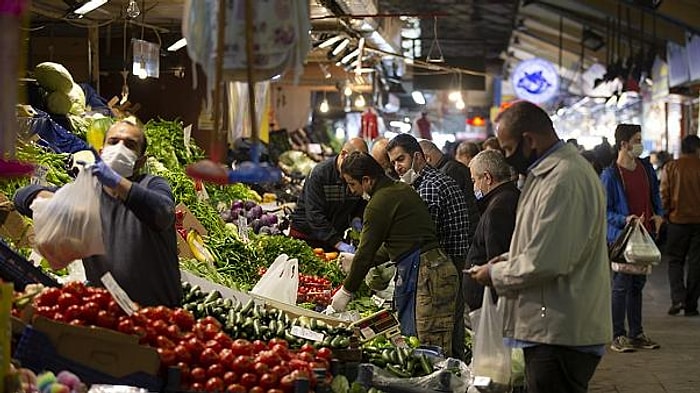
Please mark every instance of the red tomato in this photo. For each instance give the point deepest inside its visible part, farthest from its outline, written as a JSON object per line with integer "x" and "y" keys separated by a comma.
{"x": 162, "y": 312}
{"x": 280, "y": 371}
{"x": 249, "y": 380}
{"x": 167, "y": 356}
{"x": 164, "y": 342}
{"x": 259, "y": 346}
{"x": 260, "y": 368}
{"x": 194, "y": 346}
{"x": 114, "y": 308}
{"x": 275, "y": 391}
{"x": 296, "y": 364}
{"x": 198, "y": 374}
{"x": 270, "y": 358}
{"x": 278, "y": 341}
{"x": 242, "y": 347}
{"x": 44, "y": 311}
{"x": 319, "y": 364}
{"x": 183, "y": 319}
{"x": 208, "y": 357}
{"x": 325, "y": 353}
{"x": 287, "y": 383}
{"x": 57, "y": 316}
{"x": 268, "y": 381}
{"x": 89, "y": 310}
{"x": 256, "y": 389}
{"x": 305, "y": 356}
{"x": 230, "y": 377}
{"x": 242, "y": 364}
{"x": 77, "y": 322}
{"x": 75, "y": 288}
{"x": 210, "y": 331}
{"x": 72, "y": 312}
{"x": 236, "y": 388}
{"x": 198, "y": 330}
{"x": 308, "y": 348}
{"x": 223, "y": 339}
{"x": 197, "y": 387}
{"x": 67, "y": 299}
{"x": 102, "y": 300}
{"x": 182, "y": 354}
{"x": 105, "y": 319}
{"x": 281, "y": 351}
{"x": 184, "y": 371}
{"x": 160, "y": 326}
{"x": 213, "y": 344}
{"x": 173, "y": 332}
{"x": 214, "y": 385}
{"x": 226, "y": 357}
{"x": 187, "y": 336}
{"x": 209, "y": 320}
{"x": 215, "y": 370}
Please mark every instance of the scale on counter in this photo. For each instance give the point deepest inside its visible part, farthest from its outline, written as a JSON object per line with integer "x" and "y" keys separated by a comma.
{"x": 382, "y": 322}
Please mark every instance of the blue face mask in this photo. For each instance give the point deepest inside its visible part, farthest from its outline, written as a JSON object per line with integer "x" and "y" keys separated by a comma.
{"x": 478, "y": 194}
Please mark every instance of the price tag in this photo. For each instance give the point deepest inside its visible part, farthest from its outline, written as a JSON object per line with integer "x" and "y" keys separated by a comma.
{"x": 379, "y": 301}
{"x": 119, "y": 295}
{"x": 367, "y": 332}
{"x": 306, "y": 334}
{"x": 482, "y": 382}
{"x": 243, "y": 229}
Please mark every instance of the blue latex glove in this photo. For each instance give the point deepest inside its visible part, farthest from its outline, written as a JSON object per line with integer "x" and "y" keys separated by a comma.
{"x": 356, "y": 224}
{"x": 105, "y": 174}
{"x": 344, "y": 247}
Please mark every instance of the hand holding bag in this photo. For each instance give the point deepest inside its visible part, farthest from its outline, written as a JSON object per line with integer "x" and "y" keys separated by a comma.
{"x": 641, "y": 248}
{"x": 280, "y": 282}
{"x": 617, "y": 248}
{"x": 68, "y": 226}
{"x": 491, "y": 357}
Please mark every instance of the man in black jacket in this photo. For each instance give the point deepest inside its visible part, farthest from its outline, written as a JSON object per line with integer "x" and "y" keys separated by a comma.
{"x": 326, "y": 208}
{"x": 497, "y": 203}
{"x": 460, "y": 173}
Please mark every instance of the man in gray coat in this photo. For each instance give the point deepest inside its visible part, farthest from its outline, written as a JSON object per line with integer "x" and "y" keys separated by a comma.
{"x": 555, "y": 280}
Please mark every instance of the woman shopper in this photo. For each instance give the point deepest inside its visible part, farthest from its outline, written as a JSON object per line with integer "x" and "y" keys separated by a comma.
{"x": 632, "y": 191}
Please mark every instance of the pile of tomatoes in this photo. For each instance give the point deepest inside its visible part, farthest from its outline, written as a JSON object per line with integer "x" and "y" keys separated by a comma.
{"x": 208, "y": 359}
{"x": 312, "y": 289}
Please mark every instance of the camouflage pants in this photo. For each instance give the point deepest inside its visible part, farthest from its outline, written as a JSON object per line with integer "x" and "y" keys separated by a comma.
{"x": 436, "y": 293}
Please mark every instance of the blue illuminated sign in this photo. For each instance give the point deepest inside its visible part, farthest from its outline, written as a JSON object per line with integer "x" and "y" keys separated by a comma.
{"x": 535, "y": 80}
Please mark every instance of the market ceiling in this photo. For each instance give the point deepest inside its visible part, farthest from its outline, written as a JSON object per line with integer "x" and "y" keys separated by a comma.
{"x": 475, "y": 35}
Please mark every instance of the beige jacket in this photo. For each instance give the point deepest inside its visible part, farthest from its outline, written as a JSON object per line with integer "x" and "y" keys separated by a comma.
{"x": 556, "y": 281}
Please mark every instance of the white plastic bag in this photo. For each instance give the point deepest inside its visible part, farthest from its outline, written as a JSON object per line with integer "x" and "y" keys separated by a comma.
{"x": 68, "y": 226}
{"x": 280, "y": 282}
{"x": 492, "y": 359}
{"x": 641, "y": 248}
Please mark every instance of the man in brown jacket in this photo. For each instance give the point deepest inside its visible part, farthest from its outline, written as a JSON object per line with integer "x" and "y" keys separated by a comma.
{"x": 680, "y": 195}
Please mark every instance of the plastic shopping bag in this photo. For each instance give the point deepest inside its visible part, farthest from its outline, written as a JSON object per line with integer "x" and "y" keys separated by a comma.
{"x": 641, "y": 248}
{"x": 68, "y": 226}
{"x": 492, "y": 359}
{"x": 280, "y": 282}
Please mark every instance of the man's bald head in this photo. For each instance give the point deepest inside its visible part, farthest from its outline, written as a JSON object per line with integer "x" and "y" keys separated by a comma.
{"x": 379, "y": 152}
{"x": 355, "y": 144}
{"x": 432, "y": 154}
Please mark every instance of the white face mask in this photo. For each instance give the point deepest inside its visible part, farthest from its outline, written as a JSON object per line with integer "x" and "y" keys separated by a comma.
{"x": 411, "y": 175}
{"x": 366, "y": 196}
{"x": 637, "y": 150}
{"x": 120, "y": 158}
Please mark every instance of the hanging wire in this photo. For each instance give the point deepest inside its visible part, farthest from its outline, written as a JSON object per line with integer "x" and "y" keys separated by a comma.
{"x": 435, "y": 43}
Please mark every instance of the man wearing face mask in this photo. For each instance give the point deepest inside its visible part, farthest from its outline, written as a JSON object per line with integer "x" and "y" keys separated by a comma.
{"x": 138, "y": 217}
{"x": 397, "y": 227}
{"x": 497, "y": 200}
{"x": 555, "y": 279}
{"x": 632, "y": 191}
{"x": 448, "y": 209}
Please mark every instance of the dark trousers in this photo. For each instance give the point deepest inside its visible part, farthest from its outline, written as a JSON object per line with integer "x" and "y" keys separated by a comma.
{"x": 458, "y": 332}
{"x": 557, "y": 369}
{"x": 627, "y": 302}
{"x": 683, "y": 245}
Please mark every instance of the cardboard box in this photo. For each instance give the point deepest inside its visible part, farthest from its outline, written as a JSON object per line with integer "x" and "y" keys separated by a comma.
{"x": 13, "y": 226}
{"x": 189, "y": 222}
{"x": 112, "y": 353}
{"x": 296, "y": 311}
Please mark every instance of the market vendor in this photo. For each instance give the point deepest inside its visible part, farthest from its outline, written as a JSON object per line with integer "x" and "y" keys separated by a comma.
{"x": 398, "y": 227}
{"x": 325, "y": 208}
{"x": 138, "y": 217}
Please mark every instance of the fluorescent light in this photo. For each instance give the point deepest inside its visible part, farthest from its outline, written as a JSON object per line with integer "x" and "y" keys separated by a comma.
{"x": 324, "y": 106}
{"x": 177, "y": 45}
{"x": 349, "y": 56}
{"x": 455, "y": 95}
{"x": 330, "y": 41}
{"x": 89, "y": 6}
{"x": 460, "y": 105}
{"x": 341, "y": 47}
{"x": 418, "y": 97}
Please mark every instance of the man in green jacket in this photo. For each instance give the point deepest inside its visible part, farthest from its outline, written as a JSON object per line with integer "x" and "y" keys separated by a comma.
{"x": 397, "y": 227}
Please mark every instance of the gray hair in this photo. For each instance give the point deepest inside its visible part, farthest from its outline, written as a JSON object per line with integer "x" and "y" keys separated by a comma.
{"x": 493, "y": 162}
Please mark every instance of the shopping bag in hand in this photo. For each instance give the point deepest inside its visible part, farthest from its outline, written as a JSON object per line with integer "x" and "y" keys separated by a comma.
{"x": 68, "y": 226}
{"x": 281, "y": 281}
{"x": 616, "y": 250}
{"x": 492, "y": 358}
{"x": 641, "y": 248}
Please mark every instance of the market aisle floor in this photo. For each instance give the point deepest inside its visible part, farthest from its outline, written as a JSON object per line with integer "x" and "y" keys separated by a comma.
{"x": 674, "y": 368}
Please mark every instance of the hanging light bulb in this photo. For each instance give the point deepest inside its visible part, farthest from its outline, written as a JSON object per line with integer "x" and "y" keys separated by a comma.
{"x": 324, "y": 104}
{"x": 142, "y": 72}
{"x": 347, "y": 90}
{"x": 455, "y": 96}
{"x": 460, "y": 105}
{"x": 360, "y": 101}
{"x": 132, "y": 10}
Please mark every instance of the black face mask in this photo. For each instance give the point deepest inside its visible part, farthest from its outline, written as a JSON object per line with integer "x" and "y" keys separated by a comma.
{"x": 518, "y": 160}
